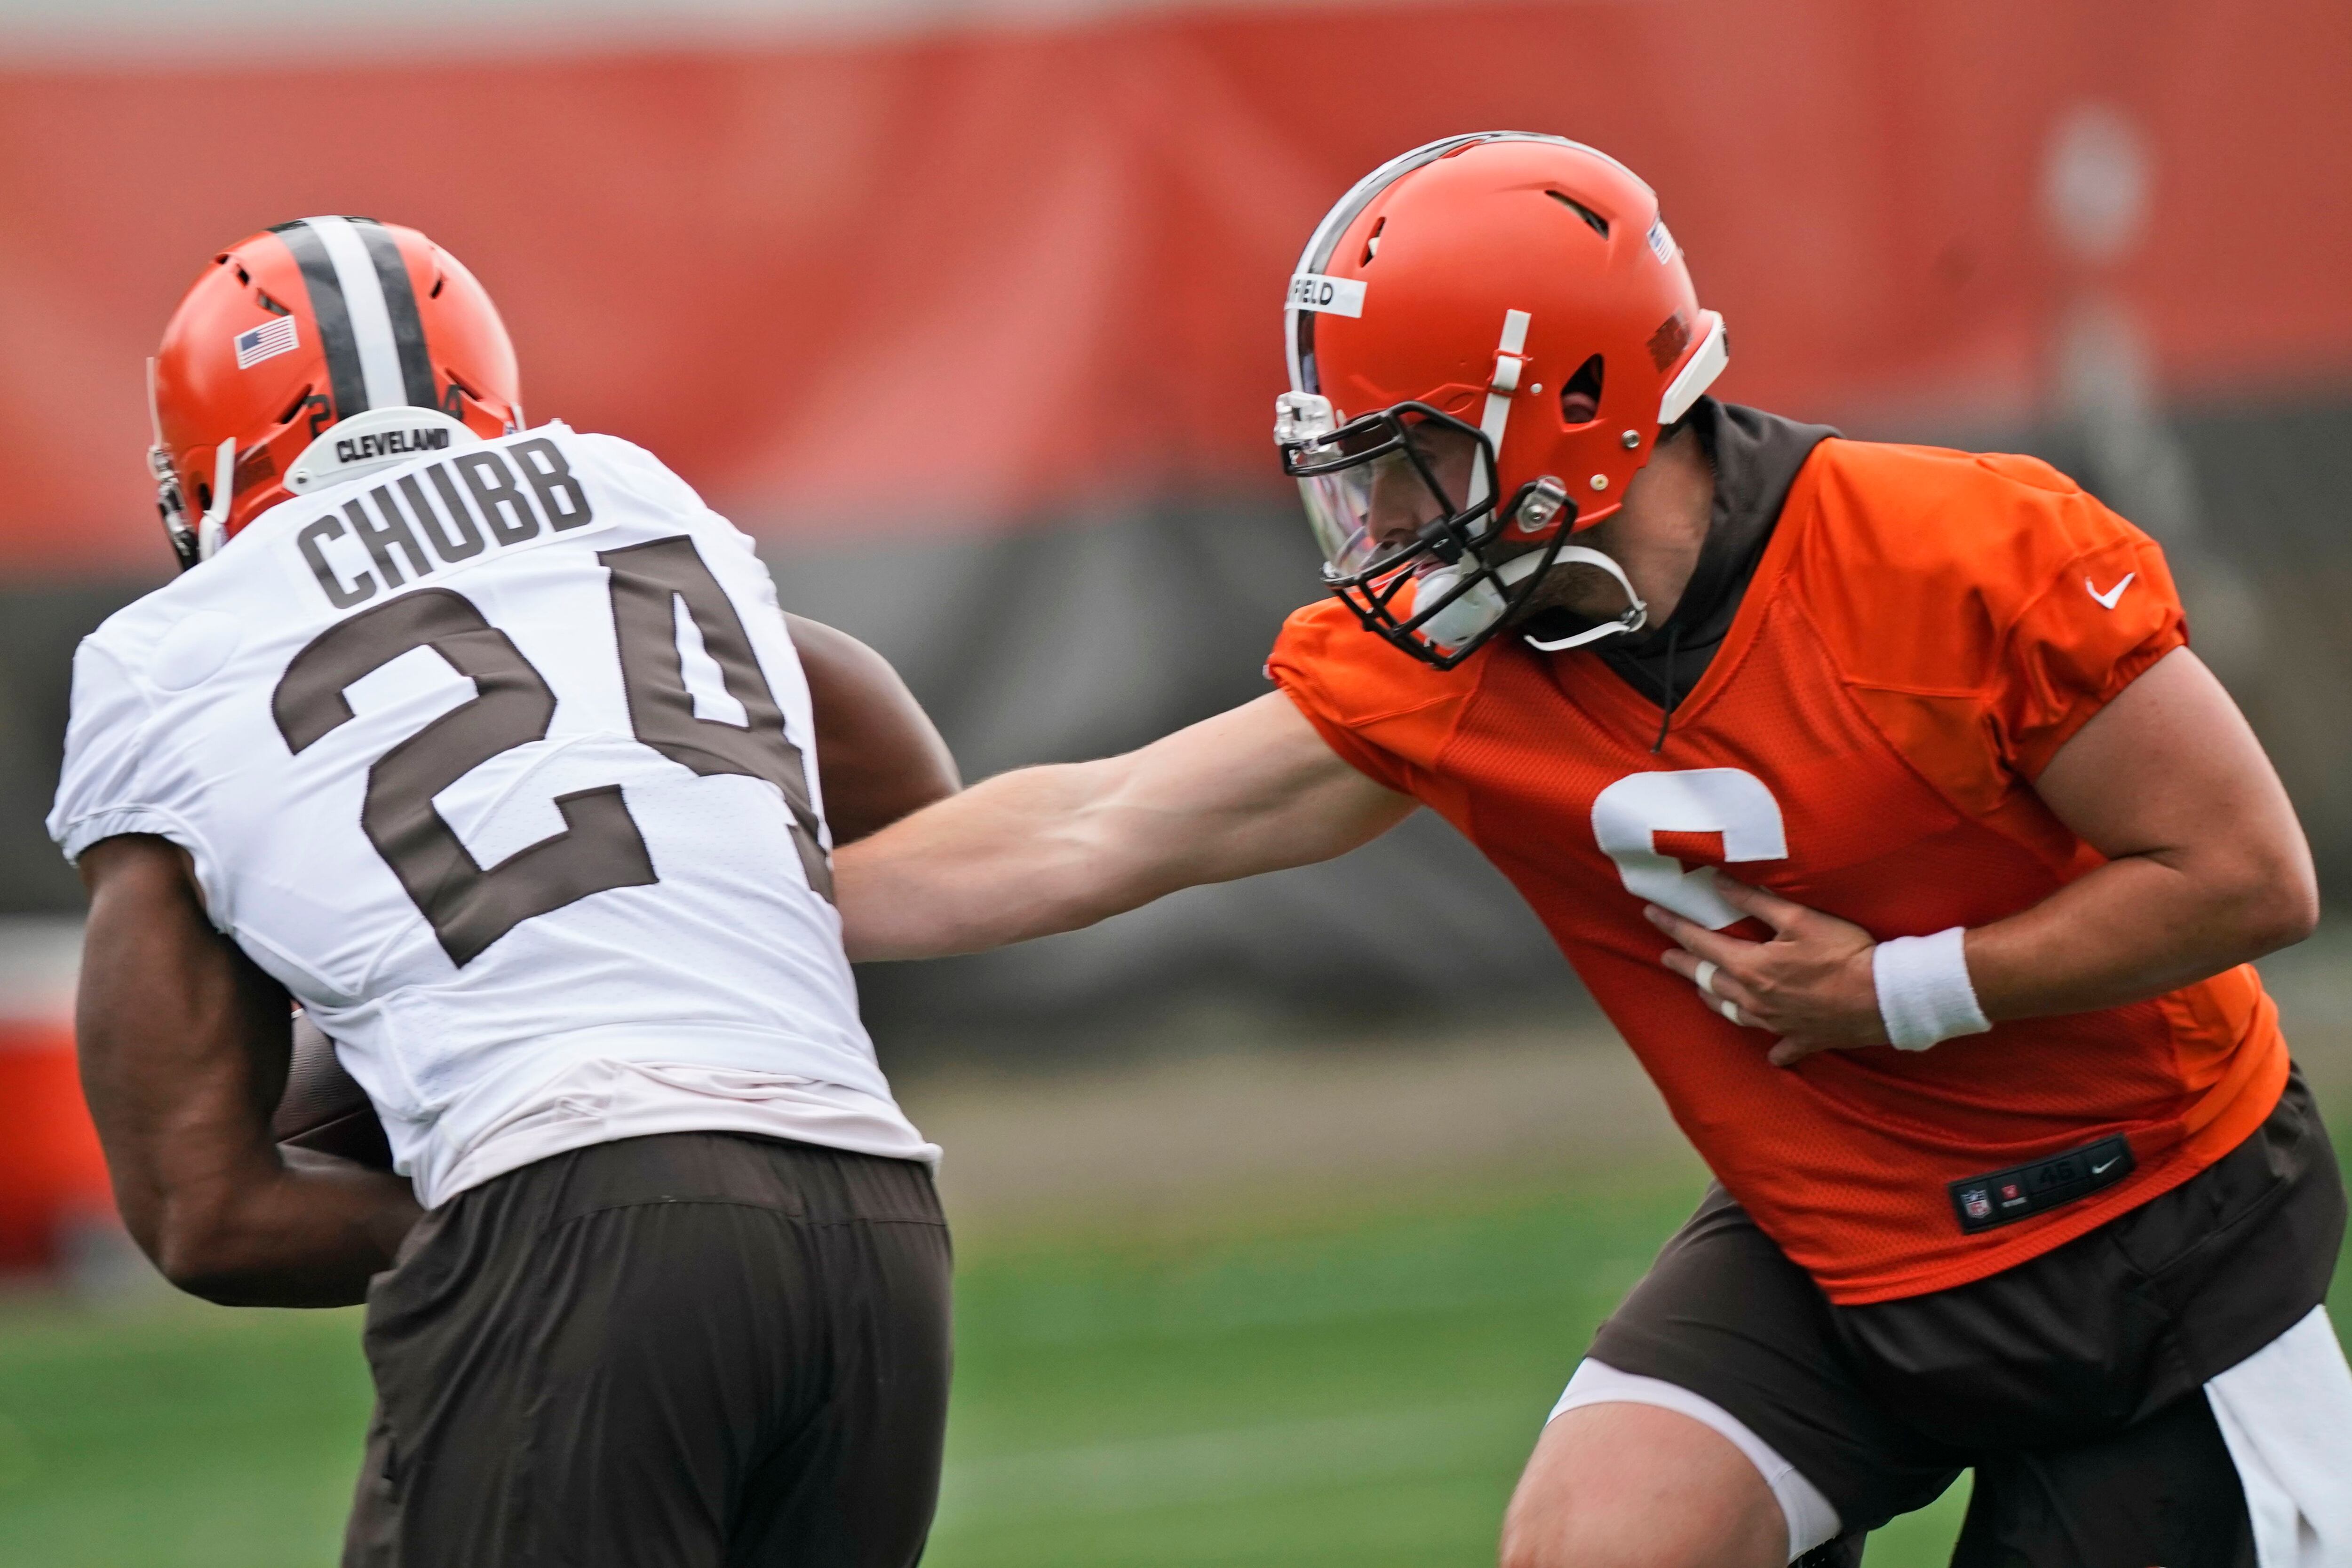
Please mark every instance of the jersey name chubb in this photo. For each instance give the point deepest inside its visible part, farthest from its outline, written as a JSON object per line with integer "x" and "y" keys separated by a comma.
{"x": 502, "y": 760}
{"x": 522, "y": 494}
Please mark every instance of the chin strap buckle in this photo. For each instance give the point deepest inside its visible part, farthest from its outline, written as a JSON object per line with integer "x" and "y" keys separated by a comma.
{"x": 1540, "y": 505}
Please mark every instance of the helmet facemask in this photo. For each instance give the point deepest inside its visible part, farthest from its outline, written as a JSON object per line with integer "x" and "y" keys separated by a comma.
{"x": 1391, "y": 513}
{"x": 171, "y": 498}
{"x": 172, "y": 506}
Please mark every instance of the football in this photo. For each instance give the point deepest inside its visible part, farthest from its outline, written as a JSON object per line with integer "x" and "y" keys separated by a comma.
{"x": 323, "y": 1108}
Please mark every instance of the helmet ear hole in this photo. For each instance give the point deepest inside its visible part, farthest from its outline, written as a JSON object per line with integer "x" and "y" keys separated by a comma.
{"x": 1579, "y": 400}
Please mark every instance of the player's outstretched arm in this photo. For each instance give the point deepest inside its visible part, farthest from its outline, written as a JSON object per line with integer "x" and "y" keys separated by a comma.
{"x": 184, "y": 1049}
{"x": 878, "y": 755}
{"x": 1052, "y": 849}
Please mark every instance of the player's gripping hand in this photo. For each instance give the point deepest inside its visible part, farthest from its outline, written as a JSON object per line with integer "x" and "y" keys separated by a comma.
{"x": 1812, "y": 984}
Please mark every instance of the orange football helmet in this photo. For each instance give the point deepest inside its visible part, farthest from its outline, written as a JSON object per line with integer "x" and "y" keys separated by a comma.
{"x": 314, "y": 352}
{"x": 1523, "y": 292}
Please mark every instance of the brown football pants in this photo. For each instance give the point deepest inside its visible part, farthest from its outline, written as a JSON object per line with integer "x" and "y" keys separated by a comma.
{"x": 699, "y": 1350}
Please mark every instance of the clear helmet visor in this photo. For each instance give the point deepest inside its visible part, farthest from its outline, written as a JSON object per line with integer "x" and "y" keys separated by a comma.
{"x": 1371, "y": 488}
{"x": 1359, "y": 513}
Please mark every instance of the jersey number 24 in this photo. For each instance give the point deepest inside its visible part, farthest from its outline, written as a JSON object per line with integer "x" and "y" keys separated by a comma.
{"x": 470, "y": 906}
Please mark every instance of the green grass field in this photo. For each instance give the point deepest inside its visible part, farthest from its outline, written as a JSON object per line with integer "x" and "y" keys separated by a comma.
{"x": 1355, "y": 1384}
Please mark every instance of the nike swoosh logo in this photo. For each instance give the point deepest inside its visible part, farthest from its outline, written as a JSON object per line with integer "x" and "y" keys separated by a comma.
{"x": 2108, "y": 601}
{"x": 2101, "y": 1170}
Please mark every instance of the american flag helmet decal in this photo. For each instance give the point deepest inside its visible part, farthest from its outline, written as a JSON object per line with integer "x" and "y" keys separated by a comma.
{"x": 272, "y": 338}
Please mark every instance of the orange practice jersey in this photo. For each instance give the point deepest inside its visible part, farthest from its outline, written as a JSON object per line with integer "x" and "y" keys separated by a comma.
{"x": 1925, "y": 630}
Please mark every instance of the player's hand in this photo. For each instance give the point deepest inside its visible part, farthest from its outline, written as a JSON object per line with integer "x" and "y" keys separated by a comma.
{"x": 1812, "y": 984}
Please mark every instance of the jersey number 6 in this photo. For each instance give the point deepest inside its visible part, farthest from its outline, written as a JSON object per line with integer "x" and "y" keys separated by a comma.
{"x": 1629, "y": 815}
{"x": 468, "y": 905}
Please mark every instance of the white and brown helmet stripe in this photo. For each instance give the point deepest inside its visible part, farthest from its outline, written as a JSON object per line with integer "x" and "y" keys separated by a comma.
{"x": 365, "y": 306}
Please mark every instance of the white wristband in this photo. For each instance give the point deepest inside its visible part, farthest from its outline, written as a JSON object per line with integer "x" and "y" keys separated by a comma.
{"x": 1924, "y": 992}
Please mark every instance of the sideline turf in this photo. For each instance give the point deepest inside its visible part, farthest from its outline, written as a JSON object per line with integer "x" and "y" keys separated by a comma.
{"x": 1352, "y": 1385}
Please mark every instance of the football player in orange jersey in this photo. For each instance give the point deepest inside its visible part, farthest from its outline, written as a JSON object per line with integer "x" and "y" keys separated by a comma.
{"x": 1874, "y": 793}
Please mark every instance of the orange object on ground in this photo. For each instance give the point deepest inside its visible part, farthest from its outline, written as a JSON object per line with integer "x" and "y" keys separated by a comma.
{"x": 52, "y": 1174}
{"x": 1926, "y": 630}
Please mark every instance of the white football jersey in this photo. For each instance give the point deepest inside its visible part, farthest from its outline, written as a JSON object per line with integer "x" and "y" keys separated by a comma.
{"x": 502, "y": 760}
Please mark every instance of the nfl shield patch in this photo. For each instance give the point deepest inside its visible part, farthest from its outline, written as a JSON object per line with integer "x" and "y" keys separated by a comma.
{"x": 272, "y": 338}
{"x": 1999, "y": 1197}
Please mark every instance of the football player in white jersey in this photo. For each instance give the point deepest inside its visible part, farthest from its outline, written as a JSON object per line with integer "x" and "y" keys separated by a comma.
{"x": 489, "y": 746}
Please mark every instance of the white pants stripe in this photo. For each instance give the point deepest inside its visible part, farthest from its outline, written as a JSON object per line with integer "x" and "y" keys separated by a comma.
{"x": 1811, "y": 1518}
{"x": 2285, "y": 1412}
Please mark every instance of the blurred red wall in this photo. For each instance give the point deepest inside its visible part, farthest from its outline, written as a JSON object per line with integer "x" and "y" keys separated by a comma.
{"x": 52, "y": 1174}
{"x": 969, "y": 280}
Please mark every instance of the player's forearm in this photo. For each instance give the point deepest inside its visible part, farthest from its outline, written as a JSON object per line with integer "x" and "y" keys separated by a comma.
{"x": 1027, "y": 855}
{"x": 184, "y": 1044}
{"x": 307, "y": 1233}
{"x": 1016, "y": 857}
{"x": 2137, "y": 927}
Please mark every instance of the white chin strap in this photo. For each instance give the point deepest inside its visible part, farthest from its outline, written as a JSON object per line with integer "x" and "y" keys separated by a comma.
{"x": 1480, "y": 607}
{"x": 1635, "y": 616}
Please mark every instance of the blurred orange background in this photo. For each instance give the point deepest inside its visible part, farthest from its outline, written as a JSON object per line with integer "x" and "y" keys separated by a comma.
{"x": 974, "y": 275}
{"x": 972, "y": 313}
